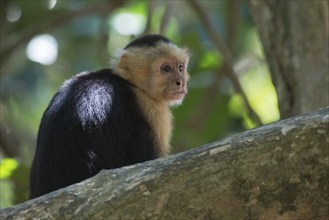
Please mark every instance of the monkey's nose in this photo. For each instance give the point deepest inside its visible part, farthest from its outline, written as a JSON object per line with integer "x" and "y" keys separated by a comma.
{"x": 179, "y": 83}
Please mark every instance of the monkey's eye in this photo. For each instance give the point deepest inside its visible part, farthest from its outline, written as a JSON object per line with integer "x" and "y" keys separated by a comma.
{"x": 180, "y": 67}
{"x": 166, "y": 68}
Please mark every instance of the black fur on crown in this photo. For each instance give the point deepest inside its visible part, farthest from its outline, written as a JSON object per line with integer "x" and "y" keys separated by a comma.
{"x": 148, "y": 41}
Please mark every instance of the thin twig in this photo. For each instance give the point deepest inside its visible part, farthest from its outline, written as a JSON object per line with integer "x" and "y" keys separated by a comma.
{"x": 228, "y": 61}
{"x": 233, "y": 16}
{"x": 166, "y": 16}
{"x": 150, "y": 10}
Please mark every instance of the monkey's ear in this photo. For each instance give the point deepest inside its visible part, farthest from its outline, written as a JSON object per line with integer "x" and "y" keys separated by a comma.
{"x": 123, "y": 62}
{"x": 116, "y": 58}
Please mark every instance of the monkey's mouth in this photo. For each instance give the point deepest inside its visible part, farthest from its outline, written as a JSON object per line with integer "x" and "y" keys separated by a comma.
{"x": 176, "y": 95}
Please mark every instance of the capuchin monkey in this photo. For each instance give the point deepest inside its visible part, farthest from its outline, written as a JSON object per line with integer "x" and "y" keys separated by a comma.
{"x": 112, "y": 117}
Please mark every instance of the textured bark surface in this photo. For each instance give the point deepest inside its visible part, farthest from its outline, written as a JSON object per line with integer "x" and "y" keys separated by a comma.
{"x": 295, "y": 38}
{"x": 278, "y": 171}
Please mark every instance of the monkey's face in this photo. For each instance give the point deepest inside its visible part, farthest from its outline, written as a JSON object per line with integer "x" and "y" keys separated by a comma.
{"x": 159, "y": 71}
{"x": 168, "y": 80}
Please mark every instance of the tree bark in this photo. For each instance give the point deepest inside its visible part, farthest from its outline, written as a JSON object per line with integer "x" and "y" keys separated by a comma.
{"x": 278, "y": 171}
{"x": 295, "y": 38}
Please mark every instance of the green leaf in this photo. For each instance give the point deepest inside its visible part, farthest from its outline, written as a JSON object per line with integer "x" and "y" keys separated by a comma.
{"x": 7, "y": 166}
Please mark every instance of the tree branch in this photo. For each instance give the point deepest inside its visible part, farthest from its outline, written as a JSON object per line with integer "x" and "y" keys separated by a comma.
{"x": 228, "y": 61}
{"x": 275, "y": 171}
{"x": 297, "y": 52}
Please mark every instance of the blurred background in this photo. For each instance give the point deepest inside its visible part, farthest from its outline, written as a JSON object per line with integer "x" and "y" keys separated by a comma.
{"x": 43, "y": 43}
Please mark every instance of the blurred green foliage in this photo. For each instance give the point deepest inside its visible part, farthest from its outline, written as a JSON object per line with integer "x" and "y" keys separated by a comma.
{"x": 87, "y": 33}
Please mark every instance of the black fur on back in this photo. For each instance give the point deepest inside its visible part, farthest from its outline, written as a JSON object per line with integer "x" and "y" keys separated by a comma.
{"x": 148, "y": 41}
{"x": 92, "y": 123}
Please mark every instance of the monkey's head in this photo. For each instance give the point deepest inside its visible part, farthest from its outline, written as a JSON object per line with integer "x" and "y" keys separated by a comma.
{"x": 156, "y": 66}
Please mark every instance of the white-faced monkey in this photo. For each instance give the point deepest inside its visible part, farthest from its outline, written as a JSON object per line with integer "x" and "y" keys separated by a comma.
{"x": 111, "y": 118}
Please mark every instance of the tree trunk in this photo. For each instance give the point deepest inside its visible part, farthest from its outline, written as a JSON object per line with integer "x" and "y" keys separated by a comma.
{"x": 295, "y": 37}
{"x": 278, "y": 171}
